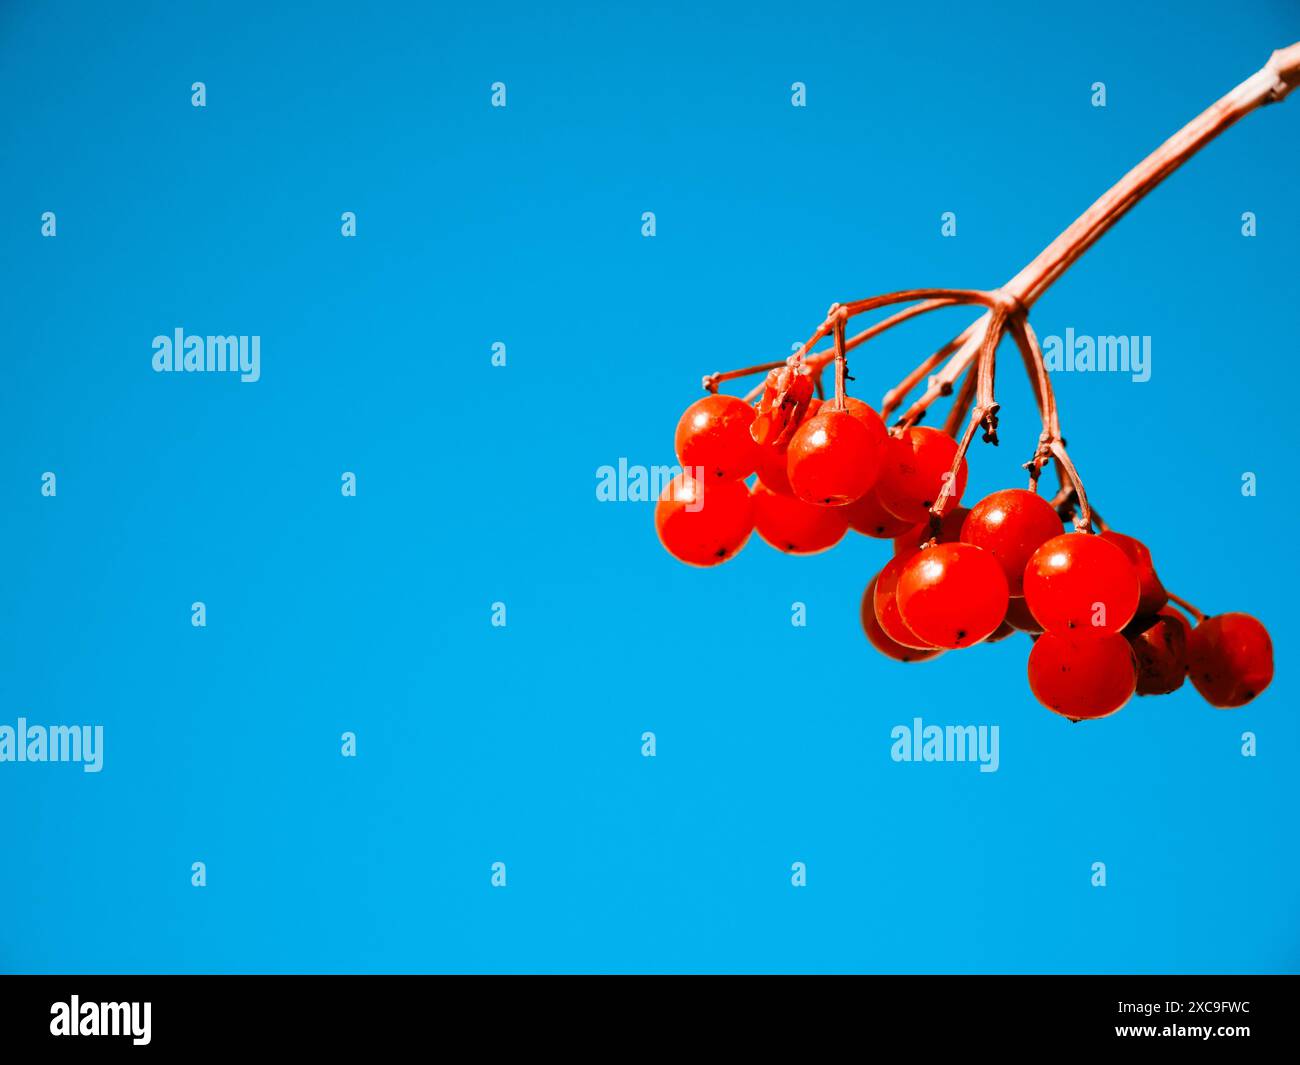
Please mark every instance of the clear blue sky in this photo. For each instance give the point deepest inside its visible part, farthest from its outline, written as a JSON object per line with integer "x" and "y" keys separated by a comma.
{"x": 477, "y": 484}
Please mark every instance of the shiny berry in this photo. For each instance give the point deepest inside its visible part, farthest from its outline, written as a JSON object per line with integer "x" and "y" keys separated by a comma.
{"x": 703, "y": 523}
{"x": 713, "y": 434}
{"x": 1230, "y": 659}
{"x": 952, "y": 595}
{"x": 1160, "y": 647}
{"x": 1011, "y": 524}
{"x": 914, "y": 469}
{"x": 773, "y": 458}
{"x": 771, "y": 470}
{"x": 796, "y": 527}
{"x": 833, "y": 459}
{"x": 1082, "y": 678}
{"x": 880, "y": 641}
{"x": 1153, "y": 595}
{"x": 870, "y": 420}
{"x": 1080, "y": 585}
{"x": 886, "y": 605}
{"x": 869, "y": 517}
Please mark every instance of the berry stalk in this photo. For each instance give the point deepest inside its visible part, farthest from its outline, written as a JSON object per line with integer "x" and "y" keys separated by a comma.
{"x": 1268, "y": 85}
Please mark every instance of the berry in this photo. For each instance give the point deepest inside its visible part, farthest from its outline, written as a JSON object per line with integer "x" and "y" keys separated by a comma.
{"x": 1018, "y": 614}
{"x": 1230, "y": 659}
{"x": 1169, "y": 611}
{"x": 952, "y": 595}
{"x": 913, "y": 471}
{"x": 869, "y": 517}
{"x": 880, "y": 641}
{"x": 1082, "y": 678}
{"x": 1160, "y": 647}
{"x": 771, "y": 470}
{"x": 1153, "y": 595}
{"x": 886, "y": 605}
{"x": 772, "y": 459}
{"x": 713, "y": 434}
{"x": 949, "y": 531}
{"x": 1080, "y": 585}
{"x": 703, "y": 526}
{"x": 796, "y": 527}
{"x": 867, "y": 415}
{"x": 1011, "y": 524}
{"x": 833, "y": 459}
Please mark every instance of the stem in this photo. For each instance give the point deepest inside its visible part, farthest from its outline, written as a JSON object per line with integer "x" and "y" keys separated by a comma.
{"x": 985, "y": 414}
{"x": 840, "y": 315}
{"x": 1270, "y": 84}
{"x": 1278, "y": 76}
{"x": 961, "y": 405}
{"x": 817, "y": 360}
{"x": 894, "y": 397}
{"x": 1187, "y": 607}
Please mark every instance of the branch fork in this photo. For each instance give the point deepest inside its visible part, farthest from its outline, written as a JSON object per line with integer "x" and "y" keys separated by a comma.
{"x": 971, "y": 356}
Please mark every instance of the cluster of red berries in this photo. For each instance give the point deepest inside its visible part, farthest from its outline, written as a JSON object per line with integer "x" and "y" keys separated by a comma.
{"x": 1092, "y": 603}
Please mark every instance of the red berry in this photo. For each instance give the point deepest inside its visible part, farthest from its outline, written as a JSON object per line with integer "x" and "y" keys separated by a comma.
{"x": 1080, "y": 585}
{"x": 952, "y": 595}
{"x": 913, "y": 472}
{"x": 701, "y": 524}
{"x": 869, "y": 517}
{"x": 1018, "y": 614}
{"x": 1230, "y": 659}
{"x": 1082, "y": 678}
{"x": 772, "y": 459}
{"x": 886, "y": 605}
{"x": 771, "y": 470}
{"x": 796, "y": 527}
{"x": 833, "y": 459}
{"x": 1170, "y": 611}
{"x": 1160, "y": 647}
{"x": 713, "y": 434}
{"x": 1011, "y": 524}
{"x": 880, "y": 641}
{"x": 866, "y": 414}
{"x": 949, "y": 531}
{"x": 1153, "y": 595}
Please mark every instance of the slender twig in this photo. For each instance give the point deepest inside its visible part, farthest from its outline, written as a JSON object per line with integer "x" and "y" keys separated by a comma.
{"x": 840, "y": 315}
{"x": 1198, "y": 615}
{"x": 984, "y": 415}
{"x": 961, "y": 405}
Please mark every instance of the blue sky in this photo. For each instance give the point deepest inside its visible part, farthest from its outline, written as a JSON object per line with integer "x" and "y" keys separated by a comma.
{"x": 476, "y": 484}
